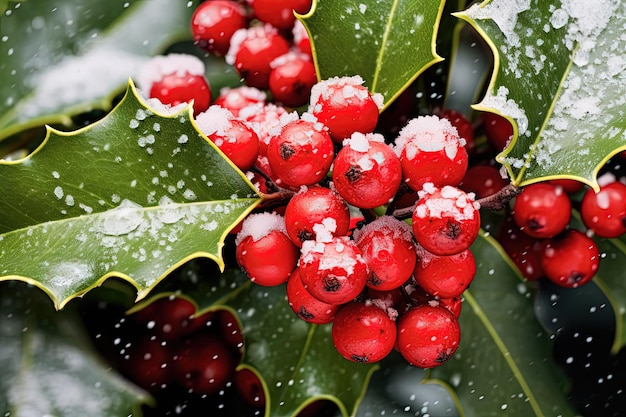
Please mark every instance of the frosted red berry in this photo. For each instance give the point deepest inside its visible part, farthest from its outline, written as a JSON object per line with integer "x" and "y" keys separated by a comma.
{"x": 604, "y": 212}
{"x": 305, "y": 306}
{"x": 445, "y": 220}
{"x": 445, "y": 276}
{"x": 251, "y": 52}
{"x": 316, "y": 205}
{"x": 175, "y": 79}
{"x": 291, "y": 79}
{"x": 264, "y": 251}
{"x": 428, "y": 335}
{"x": 333, "y": 271}
{"x": 363, "y": 332}
{"x": 235, "y": 99}
{"x": 233, "y": 136}
{"x": 301, "y": 153}
{"x": 542, "y": 210}
{"x": 570, "y": 260}
{"x": 366, "y": 171}
{"x": 387, "y": 247}
{"x": 214, "y": 22}
{"x": 345, "y": 106}
{"x": 431, "y": 150}
{"x": 463, "y": 126}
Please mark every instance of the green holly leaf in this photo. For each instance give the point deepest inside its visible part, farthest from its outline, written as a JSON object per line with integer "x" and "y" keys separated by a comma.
{"x": 296, "y": 361}
{"x": 504, "y": 363}
{"x": 49, "y": 367}
{"x": 133, "y": 195}
{"x": 388, "y": 43}
{"x": 60, "y": 59}
{"x": 559, "y": 76}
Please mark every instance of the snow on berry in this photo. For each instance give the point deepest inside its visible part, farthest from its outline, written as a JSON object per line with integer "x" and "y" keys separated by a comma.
{"x": 446, "y": 220}
{"x": 345, "y": 106}
{"x": 161, "y": 65}
{"x": 257, "y": 225}
{"x": 431, "y": 150}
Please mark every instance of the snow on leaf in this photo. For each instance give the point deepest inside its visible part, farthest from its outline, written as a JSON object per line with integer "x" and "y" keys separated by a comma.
{"x": 559, "y": 76}
{"x": 110, "y": 199}
{"x": 388, "y": 43}
{"x": 61, "y": 59}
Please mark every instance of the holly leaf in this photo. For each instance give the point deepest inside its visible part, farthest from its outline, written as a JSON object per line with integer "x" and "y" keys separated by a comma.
{"x": 133, "y": 195}
{"x": 60, "y": 60}
{"x": 388, "y": 43}
{"x": 48, "y": 366}
{"x": 559, "y": 76}
{"x": 504, "y": 362}
{"x": 296, "y": 361}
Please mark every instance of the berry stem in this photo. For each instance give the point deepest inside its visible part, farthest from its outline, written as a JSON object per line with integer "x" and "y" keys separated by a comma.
{"x": 499, "y": 200}
{"x": 496, "y": 201}
{"x": 277, "y": 198}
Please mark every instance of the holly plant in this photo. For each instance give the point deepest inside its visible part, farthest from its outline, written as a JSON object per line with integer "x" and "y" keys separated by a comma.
{"x": 312, "y": 208}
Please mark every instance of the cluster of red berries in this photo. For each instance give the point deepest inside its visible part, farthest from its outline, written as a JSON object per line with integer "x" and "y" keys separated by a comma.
{"x": 168, "y": 348}
{"x": 537, "y": 231}
{"x": 385, "y": 284}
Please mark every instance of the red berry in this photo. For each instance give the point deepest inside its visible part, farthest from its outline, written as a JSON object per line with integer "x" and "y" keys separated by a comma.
{"x": 316, "y": 205}
{"x": 428, "y": 335}
{"x": 445, "y": 221}
{"x": 235, "y": 99}
{"x": 233, "y": 136}
{"x": 204, "y": 364}
{"x": 498, "y": 130}
{"x": 569, "y": 186}
{"x": 249, "y": 387}
{"x": 264, "y": 251}
{"x": 431, "y": 150}
{"x": 291, "y": 79}
{"x": 542, "y": 210}
{"x": 387, "y": 247}
{"x": 570, "y": 260}
{"x": 482, "y": 180}
{"x": 445, "y": 276}
{"x": 148, "y": 363}
{"x": 169, "y": 318}
{"x": 265, "y": 118}
{"x": 345, "y": 106}
{"x": 279, "y": 13}
{"x": 366, "y": 171}
{"x": 251, "y": 52}
{"x": 175, "y": 79}
{"x": 363, "y": 333}
{"x": 420, "y": 297}
{"x": 307, "y": 307}
{"x": 604, "y": 212}
{"x": 301, "y": 154}
{"x": 214, "y": 22}
{"x": 334, "y": 270}
{"x": 525, "y": 251}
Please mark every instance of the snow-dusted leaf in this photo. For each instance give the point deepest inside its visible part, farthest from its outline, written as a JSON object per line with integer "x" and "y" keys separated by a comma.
{"x": 62, "y": 58}
{"x": 559, "y": 76}
{"x": 47, "y": 365}
{"x": 133, "y": 195}
{"x": 387, "y": 42}
{"x": 504, "y": 363}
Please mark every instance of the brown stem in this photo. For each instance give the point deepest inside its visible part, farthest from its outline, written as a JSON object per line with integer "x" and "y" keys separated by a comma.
{"x": 276, "y": 199}
{"x": 499, "y": 200}
{"x": 496, "y": 201}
